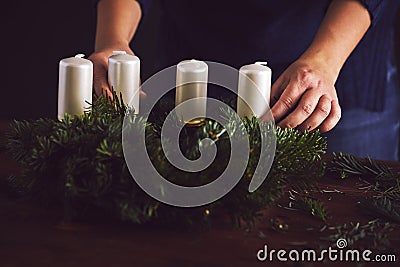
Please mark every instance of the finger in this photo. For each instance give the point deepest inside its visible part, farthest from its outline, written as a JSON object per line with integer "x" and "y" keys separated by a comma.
{"x": 142, "y": 94}
{"x": 287, "y": 101}
{"x": 106, "y": 91}
{"x": 277, "y": 89}
{"x": 333, "y": 117}
{"x": 320, "y": 113}
{"x": 100, "y": 82}
{"x": 99, "y": 86}
{"x": 102, "y": 89}
{"x": 305, "y": 108}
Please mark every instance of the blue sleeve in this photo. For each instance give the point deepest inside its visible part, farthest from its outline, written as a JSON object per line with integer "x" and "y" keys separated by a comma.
{"x": 374, "y": 8}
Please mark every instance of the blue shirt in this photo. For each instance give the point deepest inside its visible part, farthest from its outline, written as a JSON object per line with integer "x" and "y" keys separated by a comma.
{"x": 242, "y": 32}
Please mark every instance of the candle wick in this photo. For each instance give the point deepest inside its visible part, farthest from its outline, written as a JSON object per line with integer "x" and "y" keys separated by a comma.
{"x": 119, "y": 52}
{"x": 262, "y": 63}
{"x": 80, "y": 55}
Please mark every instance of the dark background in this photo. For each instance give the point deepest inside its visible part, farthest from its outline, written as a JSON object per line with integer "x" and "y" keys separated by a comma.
{"x": 36, "y": 35}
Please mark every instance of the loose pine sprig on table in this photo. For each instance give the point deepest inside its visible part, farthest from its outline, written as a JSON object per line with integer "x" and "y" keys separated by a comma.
{"x": 78, "y": 164}
{"x": 305, "y": 201}
{"x": 347, "y": 164}
{"x": 379, "y": 179}
{"x": 384, "y": 207}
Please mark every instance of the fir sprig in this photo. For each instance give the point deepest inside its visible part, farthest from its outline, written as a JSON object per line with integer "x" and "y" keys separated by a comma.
{"x": 382, "y": 181}
{"x": 380, "y": 178}
{"x": 304, "y": 201}
{"x": 347, "y": 164}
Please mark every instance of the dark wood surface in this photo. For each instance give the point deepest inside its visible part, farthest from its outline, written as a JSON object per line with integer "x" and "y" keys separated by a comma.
{"x": 31, "y": 235}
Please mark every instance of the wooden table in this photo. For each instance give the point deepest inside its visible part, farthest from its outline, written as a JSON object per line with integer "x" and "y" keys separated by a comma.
{"x": 31, "y": 235}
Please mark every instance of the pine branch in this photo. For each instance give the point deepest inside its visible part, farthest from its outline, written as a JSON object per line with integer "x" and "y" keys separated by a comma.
{"x": 382, "y": 179}
{"x": 385, "y": 208}
{"x": 379, "y": 178}
{"x": 304, "y": 201}
{"x": 348, "y": 164}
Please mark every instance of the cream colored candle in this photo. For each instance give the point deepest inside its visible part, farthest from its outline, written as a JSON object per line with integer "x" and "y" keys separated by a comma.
{"x": 74, "y": 85}
{"x": 254, "y": 89}
{"x": 124, "y": 77}
{"x": 191, "y": 83}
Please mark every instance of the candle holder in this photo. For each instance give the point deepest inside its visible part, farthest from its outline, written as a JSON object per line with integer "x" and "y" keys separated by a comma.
{"x": 195, "y": 122}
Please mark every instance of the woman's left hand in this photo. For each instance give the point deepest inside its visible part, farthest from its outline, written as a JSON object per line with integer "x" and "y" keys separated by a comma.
{"x": 304, "y": 97}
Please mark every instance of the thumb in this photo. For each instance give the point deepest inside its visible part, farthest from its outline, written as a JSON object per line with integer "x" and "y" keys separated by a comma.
{"x": 277, "y": 89}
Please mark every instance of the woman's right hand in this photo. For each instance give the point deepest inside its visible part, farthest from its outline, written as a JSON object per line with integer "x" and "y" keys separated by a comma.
{"x": 100, "y": 68}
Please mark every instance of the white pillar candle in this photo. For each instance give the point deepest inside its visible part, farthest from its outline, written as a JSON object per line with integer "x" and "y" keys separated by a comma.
{"x": 74, "y": 85}
{"x": 124, "y": 77}
{"x": 191, "y": 83}
{"x": 254, "y": 90}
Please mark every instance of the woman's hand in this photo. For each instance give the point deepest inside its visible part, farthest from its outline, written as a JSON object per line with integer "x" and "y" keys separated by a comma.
{"x": 304, "y": 97}
{"x": 100, "y": 68}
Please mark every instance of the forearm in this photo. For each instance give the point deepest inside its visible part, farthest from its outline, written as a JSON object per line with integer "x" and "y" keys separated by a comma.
{"x": 345, "y": 23}
{"x": 117, "y": 21}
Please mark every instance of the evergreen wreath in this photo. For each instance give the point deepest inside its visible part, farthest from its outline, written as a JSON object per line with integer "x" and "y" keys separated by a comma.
{"x": 77, "y": 164}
